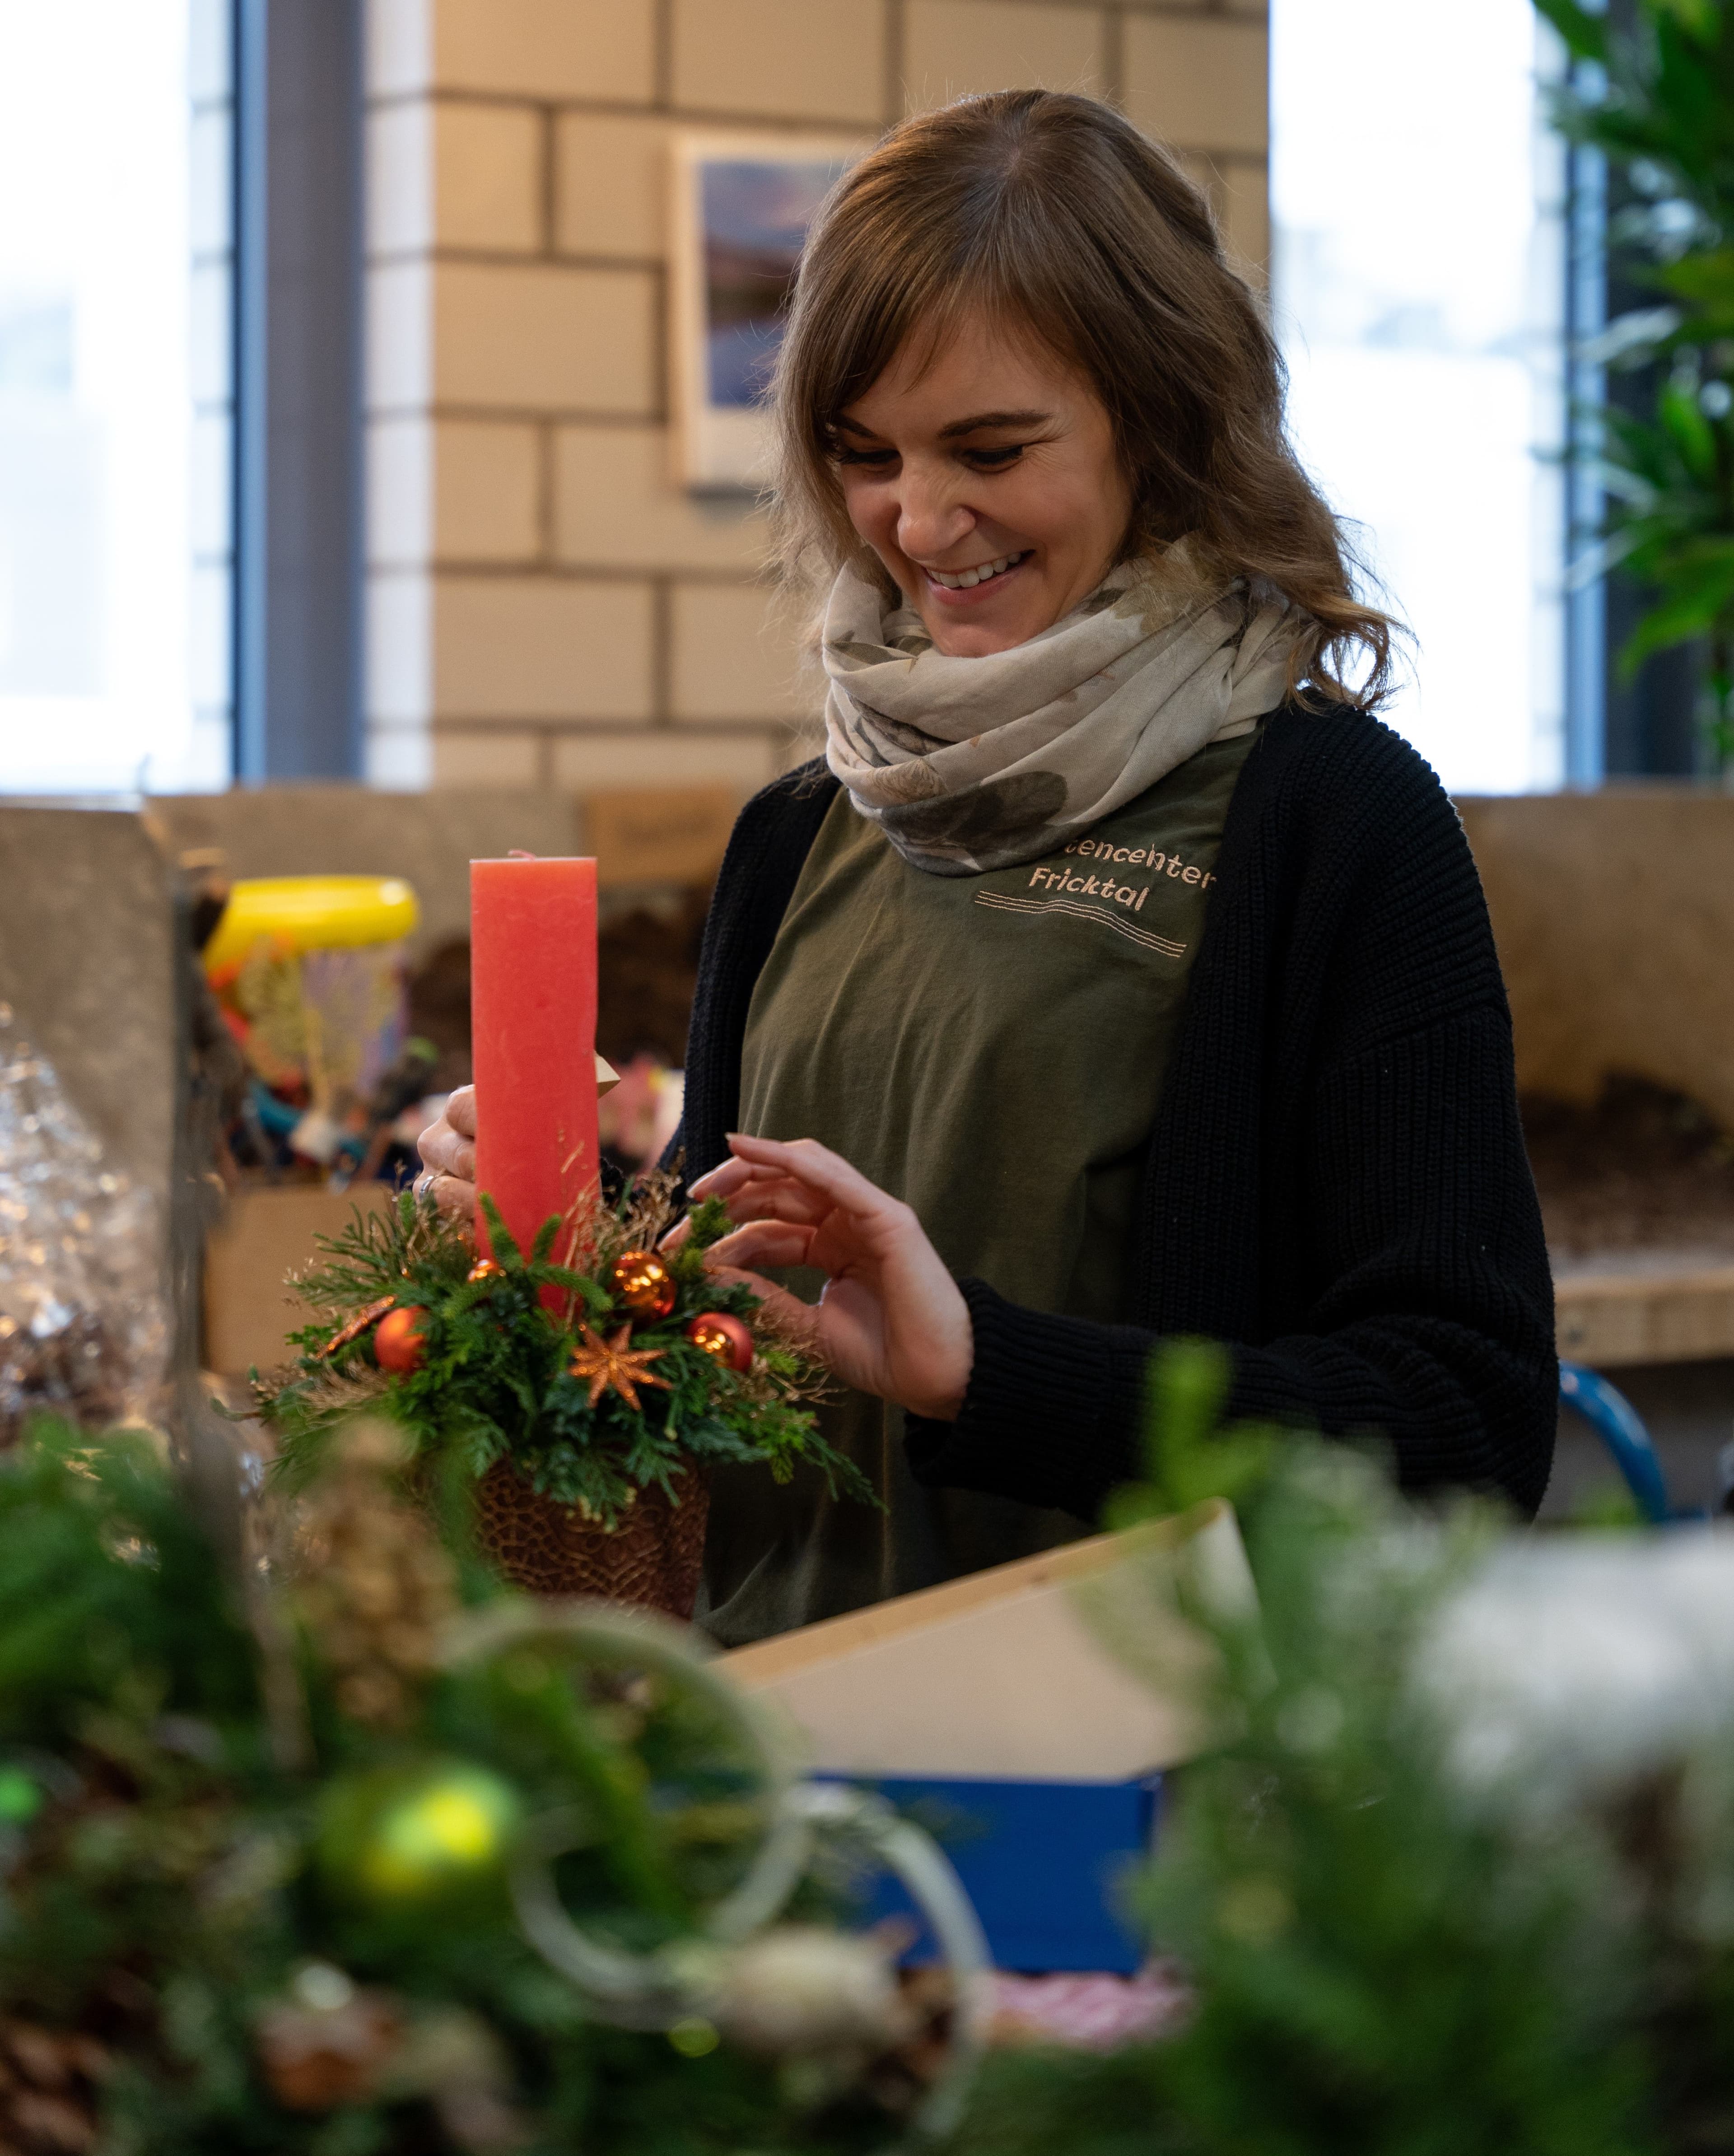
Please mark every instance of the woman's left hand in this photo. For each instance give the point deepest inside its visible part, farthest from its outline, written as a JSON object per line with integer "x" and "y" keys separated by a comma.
{"x": 890, "y": 1320}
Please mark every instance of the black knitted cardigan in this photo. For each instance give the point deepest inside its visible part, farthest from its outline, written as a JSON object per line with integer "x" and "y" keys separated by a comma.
{"x": 1336, "y": 1185}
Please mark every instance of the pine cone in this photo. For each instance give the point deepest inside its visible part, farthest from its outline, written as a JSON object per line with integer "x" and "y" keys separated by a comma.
{"x": 373, "y": 1587}
{"x": 48, "y": 2080}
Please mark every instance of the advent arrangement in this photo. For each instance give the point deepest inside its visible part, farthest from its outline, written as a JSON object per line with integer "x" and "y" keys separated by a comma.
{"x": 549, "y": 1354}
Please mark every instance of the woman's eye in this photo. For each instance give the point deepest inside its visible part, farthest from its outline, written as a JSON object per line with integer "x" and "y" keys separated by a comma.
{"x": 994, "y": 460}
{"x": 873, "y": 460}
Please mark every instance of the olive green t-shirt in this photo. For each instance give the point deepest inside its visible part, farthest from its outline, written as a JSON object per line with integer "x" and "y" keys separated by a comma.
{"x": 990, "y": 1049}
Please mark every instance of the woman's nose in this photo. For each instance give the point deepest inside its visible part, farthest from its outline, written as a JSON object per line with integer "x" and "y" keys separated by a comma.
{"x": 931, "y": 518}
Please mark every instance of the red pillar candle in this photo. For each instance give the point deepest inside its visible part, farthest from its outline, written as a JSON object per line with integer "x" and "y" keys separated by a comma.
{"x": 532, "y": 1002}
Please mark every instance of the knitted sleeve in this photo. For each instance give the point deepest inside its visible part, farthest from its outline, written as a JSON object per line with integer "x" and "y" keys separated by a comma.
{"x": 1423, "y": 1334}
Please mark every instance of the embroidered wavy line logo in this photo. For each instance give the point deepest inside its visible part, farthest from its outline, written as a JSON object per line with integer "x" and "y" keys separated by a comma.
{"x": 1007, "y": 902}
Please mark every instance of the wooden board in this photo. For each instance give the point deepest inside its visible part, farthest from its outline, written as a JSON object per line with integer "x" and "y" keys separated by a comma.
{"x": 1613, "y": 912}
{"x": 1000, "y": 1675}
{"x": 266, "y": 1235}
{"x": 1655, "y": 1313}
{"x": 659, "y": 834}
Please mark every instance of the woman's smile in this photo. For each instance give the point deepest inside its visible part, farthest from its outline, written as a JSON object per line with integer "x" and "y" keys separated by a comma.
{"x": 965, "y": 589}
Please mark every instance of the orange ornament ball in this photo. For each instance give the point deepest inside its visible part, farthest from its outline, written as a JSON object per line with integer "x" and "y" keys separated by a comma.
{"x": 642, "y": 1283}
{"x": 484, "y": 1268}
{"x": 725, "y": 1337}
{"x": 399, "y": 1344}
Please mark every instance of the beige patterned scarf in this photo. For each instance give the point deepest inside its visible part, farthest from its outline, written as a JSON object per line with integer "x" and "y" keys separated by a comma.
{"x": 969, "y": 764}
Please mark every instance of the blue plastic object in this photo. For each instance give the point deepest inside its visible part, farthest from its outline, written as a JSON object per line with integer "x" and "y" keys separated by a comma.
{"x": 279, "y": 1118}
{"x": 1040, "y": 1861}
{"x": 1616, "y": 1423}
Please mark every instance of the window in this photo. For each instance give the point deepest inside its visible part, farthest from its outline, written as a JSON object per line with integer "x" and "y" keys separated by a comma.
{"x": 114, "y": 396}
{"x": 1419, "y": 292}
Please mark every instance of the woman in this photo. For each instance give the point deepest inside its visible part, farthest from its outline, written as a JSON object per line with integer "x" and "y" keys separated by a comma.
{"x": 1117, "y": 974}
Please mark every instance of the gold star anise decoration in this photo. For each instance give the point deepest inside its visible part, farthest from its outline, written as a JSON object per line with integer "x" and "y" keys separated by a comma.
{"x": 611, "y": 1362}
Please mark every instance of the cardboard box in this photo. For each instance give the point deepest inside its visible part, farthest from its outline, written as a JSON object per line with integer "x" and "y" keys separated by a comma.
{"x": 1000, "y": 1674}
{"x": 659, "y": 834}
{"x": 266, "y": 1234}
{"x": 991, "y": 1708}
{"x": 1044, "y": 1862}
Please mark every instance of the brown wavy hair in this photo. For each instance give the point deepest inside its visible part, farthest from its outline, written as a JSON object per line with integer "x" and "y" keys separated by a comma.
{"x": 1053, "y": 216}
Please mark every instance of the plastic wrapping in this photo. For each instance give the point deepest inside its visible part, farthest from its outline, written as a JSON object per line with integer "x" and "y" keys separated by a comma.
{"x": 84, "y": 1319}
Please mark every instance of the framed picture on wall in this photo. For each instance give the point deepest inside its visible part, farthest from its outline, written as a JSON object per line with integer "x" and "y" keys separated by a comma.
{"x": 742, "y": 205}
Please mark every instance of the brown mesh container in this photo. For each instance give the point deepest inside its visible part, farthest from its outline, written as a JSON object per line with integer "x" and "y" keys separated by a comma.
{"x": 654, "y": 1558}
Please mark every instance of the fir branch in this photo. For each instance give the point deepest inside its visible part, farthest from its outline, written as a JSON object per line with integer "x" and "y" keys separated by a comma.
{"x": 371, "y": 1254}
{"x": 501, "y": 1242}
{"x": 710, "y": 1222}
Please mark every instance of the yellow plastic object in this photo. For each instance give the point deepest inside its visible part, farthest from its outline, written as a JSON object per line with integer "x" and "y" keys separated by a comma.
{"x": 310, "y": 913}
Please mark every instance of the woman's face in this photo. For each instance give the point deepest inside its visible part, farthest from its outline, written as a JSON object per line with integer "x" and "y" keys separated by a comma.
{"x": 989, "y": 485}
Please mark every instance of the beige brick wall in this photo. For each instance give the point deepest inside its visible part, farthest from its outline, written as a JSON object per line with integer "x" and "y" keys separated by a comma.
{"x": 547, "y": 606}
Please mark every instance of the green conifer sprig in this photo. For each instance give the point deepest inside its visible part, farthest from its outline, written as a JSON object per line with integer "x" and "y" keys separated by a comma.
{"x": 494, "y": 1382}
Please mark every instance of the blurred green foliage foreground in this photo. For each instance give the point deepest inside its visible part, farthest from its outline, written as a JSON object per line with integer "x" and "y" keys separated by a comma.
{"x": 256, "y": 1837}
{"x": 1456, "y": 1873}
{"x": 1460, "y": 1876}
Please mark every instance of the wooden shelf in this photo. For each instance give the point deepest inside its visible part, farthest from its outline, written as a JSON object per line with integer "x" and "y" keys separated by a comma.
{"x": 1659, "y": 1310}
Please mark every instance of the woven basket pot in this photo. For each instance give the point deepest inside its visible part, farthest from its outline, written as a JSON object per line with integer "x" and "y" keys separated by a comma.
{"x": 653, "y": 1559}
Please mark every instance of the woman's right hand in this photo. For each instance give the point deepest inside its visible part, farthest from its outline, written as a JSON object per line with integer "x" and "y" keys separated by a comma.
{"x": 447, "y": 1151}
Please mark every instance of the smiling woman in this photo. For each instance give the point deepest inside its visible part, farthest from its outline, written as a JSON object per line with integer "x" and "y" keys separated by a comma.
{"x": 1117, "y": 974}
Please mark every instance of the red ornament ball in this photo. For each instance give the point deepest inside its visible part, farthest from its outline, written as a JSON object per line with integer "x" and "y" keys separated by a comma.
{"x": 399, "y": 1345}
{"x": 725, "y": 1337}
{"x": 642, "y": 1283}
